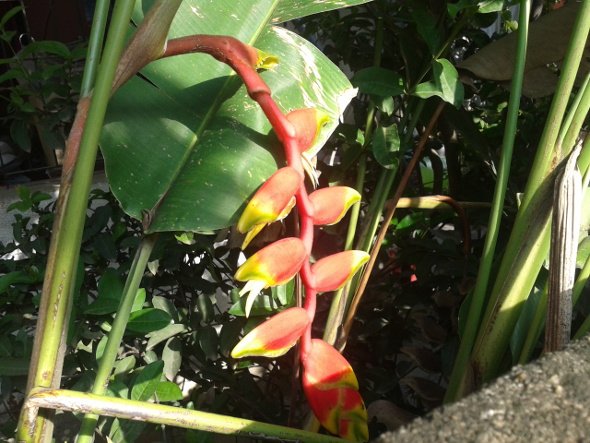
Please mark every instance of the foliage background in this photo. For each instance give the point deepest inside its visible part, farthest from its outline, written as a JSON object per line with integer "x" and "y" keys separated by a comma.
{"x": 404, "y": 338}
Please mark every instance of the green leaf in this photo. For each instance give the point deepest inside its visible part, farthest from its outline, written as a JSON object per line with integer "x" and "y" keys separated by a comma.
{"x": 186, "y": 144}
{"x": 117, "y": 388}
{"x": 100, "y": 346}
{"x": 161, "y": 335}
{"x": 172, "y": 356}
{"x": 46, "y": 46}
{"x": 378, "y": 81}
{"x": 168, "y": 391}
{"x": 125, "y": 365}
{"x": 229, "y": 336}
{"x": 426, "y": 25}
{"x": 125, "y": 431}
{"x": 205, "y": 308}
{"x": 139, "y": 300}
{"x": 148, "y": 320}
{"x": 19, "y": 277}
{"x": 292, "y": 9}
{"x": 445, "y": 85}
{"x": 263, "y": 305}
{"x": 386, "y": 144}
{"x": 110, "y": 288}
{"x": 165, "y": 305}
{"x": 10, "y": 367}
{"x": 146, "y": 382}
{"x": 208, "y": 340}
{"x": 19, "y": 132}
{"x": 5, "y": 346}
{"x": 9, "y": 14}
{"x": 487, "y": 6}
{"x": 284, "y": 293}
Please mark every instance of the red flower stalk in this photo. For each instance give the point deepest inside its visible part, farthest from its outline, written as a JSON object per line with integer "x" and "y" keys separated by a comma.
{"x": 331, "y": 204}
{"x": 331, "y": 388}
{"x": 332, "y": 272}
{"x": 272, "y": 202}
{"x": 275, "y": 336}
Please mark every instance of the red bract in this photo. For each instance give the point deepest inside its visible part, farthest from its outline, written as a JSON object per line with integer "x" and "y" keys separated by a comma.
{"x": 330, "y": 387}
{"x": 331, "y": 204}
{"x": 272, "y": 202}
{"x": 273, "y": 265}
{"x": 275, "y": 336}
{"x": 307, "y": 123}
{"x": 332, "y": 272}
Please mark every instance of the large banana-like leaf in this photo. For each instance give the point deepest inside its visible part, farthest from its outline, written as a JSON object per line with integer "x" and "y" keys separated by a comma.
{"x": 184, "y": 145}
{"x": 292, "y": 9}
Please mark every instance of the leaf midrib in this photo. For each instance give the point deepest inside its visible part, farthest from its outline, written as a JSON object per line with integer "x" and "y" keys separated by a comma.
{"x": 216, "y": 105}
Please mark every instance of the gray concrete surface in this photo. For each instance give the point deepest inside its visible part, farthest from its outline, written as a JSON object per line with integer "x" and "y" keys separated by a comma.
{"x": 545, "y": 401}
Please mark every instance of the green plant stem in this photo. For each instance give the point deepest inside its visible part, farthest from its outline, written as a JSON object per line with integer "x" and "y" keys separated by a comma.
{"x": 483, "y": 276}
{"x": 339, "y": 301}
{"x": 117, "y": 331}
{"x": 569, "y": 71}
{"x": 74, "y": 401}
{"x": 61, "y": 272}
{"x": 524, "y": 254}
{"x": 385, "y": 183}
{"x": 412, "y": 165}
{"x": 338, "y": 305}
{"x": 571, "y": 128}
{"x": 99, "y": 22}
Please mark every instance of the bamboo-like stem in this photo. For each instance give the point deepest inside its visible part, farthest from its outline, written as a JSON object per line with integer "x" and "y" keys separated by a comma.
{"x": 524, "y": 255}
{"x": 99, "y": 23}
{"x": 565, "y": 229}
{"x": 573, "y": 121}
{"x": 547, "y": 153}
{"x": 107, "y": 361}
{"x": 456, "y": 385}
{"x": 386, "y": 222}
{"x": 65, "y": 246}
{"x": 74, "y": 401}
{"x": 385, "y": 184}
{"x": 339, "y": 300}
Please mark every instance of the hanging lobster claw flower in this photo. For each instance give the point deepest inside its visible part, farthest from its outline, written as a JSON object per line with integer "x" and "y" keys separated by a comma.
{"x": 334, "y": 271}
{"x": 331, "y": 204}
{"x": 273, "y": 265}
{"x": 275, "y": 336}
{"x": 273, "y": 201}
{"x": 331, "y": 388}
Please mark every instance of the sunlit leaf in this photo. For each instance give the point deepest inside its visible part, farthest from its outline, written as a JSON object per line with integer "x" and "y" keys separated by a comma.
{"x": 186, "y": 144}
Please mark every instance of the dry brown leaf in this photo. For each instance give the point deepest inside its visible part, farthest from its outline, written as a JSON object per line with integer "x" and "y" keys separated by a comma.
{"x": 548, "y": 41}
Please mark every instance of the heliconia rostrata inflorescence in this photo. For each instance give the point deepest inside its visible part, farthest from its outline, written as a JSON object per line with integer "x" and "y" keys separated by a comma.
{"x": 328, "y": 380}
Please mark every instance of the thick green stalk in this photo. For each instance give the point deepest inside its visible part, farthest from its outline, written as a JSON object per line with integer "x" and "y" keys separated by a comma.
{"x": 525, "y": 254}
{"x": 109, "y": 356}
{"x": 385, "y": 184}
{"x": 75, "y": 208}
{"x": 483, "y": 276}
{"x": 571, "y": 128}
{"x": 99, "y": 22}
{"x": 545, "y": 154}
{"x": 338, "y": 305}
{"x": 61, "y": 270}
{"x": 171, "y": 416}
